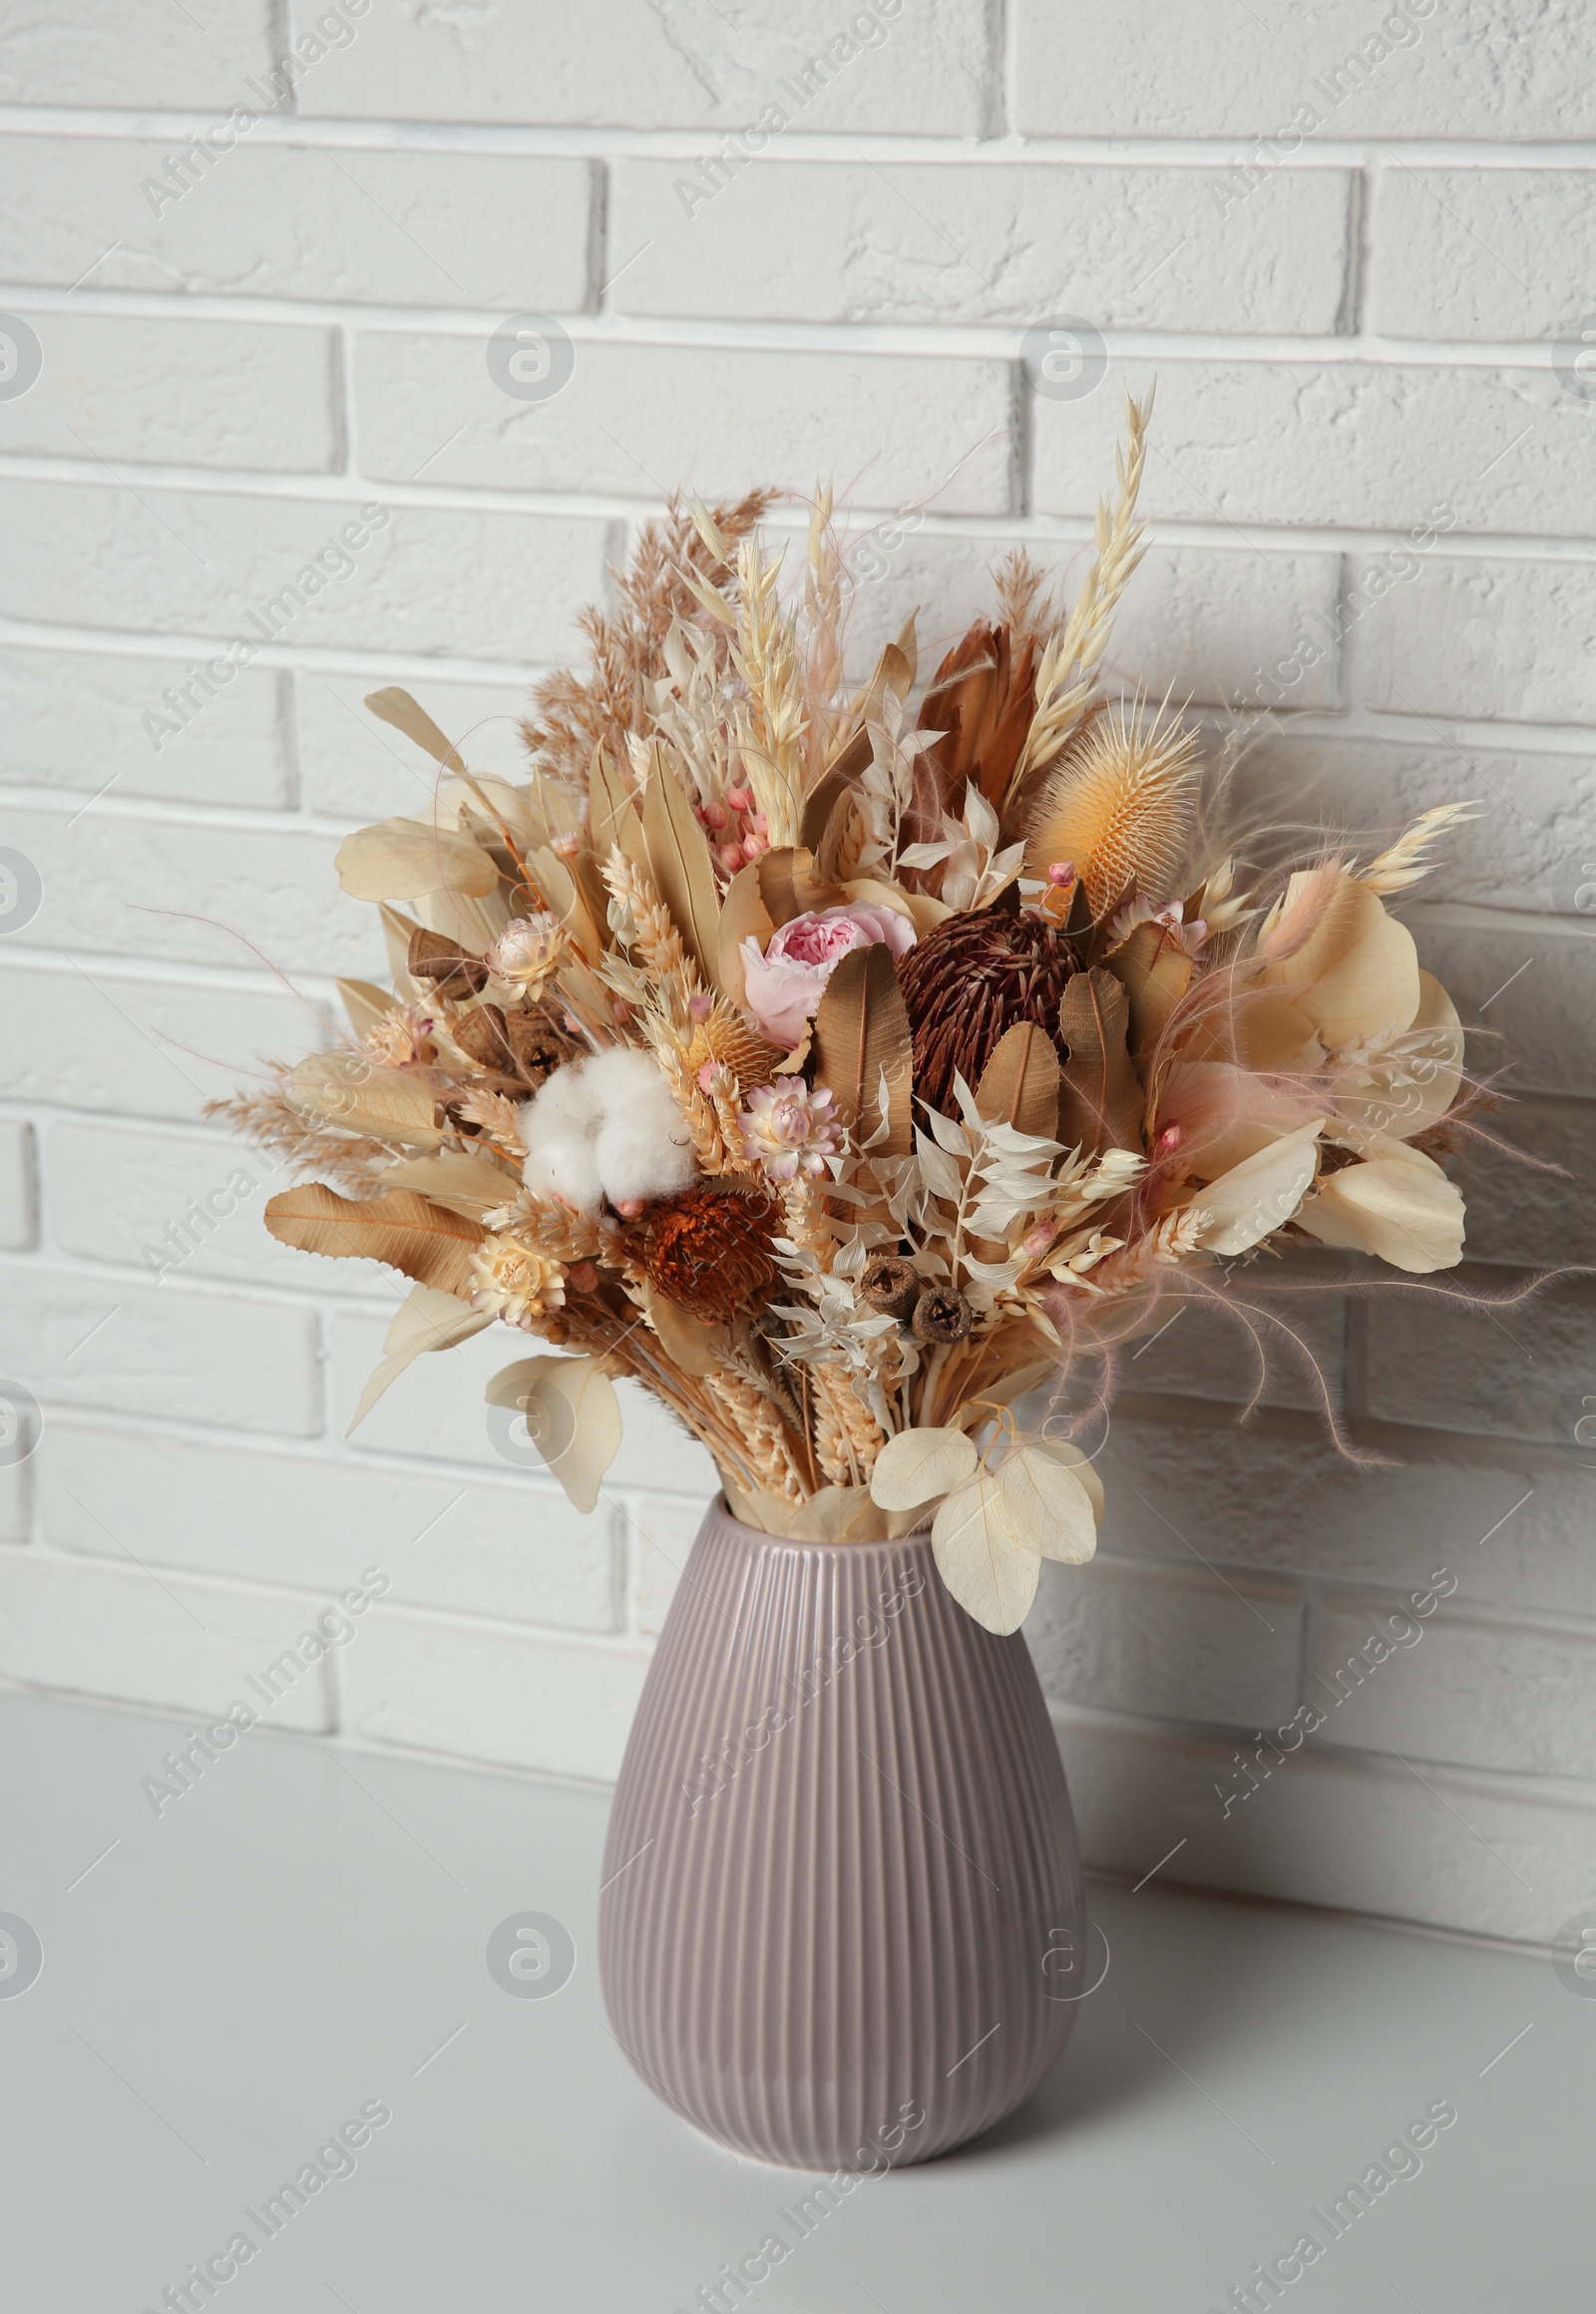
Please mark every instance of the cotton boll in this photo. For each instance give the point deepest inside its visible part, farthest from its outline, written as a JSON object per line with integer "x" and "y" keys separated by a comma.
{"x": 616, "y": 1080}
{"x": 646, "y": 1157}
{"x": 566, "y": 1168}
{"x": 565, "y": 1105}
{"x": 559, "y": 1126}
{"x": 644, "y": 1148}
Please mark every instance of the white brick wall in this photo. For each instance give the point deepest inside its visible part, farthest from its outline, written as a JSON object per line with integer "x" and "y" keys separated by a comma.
{"x": 1354, "y": 247}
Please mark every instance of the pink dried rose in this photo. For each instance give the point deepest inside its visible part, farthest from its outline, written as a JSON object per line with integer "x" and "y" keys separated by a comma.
{"x": 785, "y": 985}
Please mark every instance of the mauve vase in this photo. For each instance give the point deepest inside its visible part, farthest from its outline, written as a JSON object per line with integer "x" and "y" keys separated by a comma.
{"x": 842, "y": 1924}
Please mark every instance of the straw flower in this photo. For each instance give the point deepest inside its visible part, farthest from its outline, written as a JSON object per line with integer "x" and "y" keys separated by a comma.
{"x": 514, "y": 1281}
{"x": 402, "y": 1038}
{"x": 790, "y": 1129}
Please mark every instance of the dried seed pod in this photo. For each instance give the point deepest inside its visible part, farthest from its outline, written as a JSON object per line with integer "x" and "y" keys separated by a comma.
{"x": 536, "y": 1048}
{"x": 942, "y": 1314}
{"x": 447, "y": 967}
{"x": 480, "y": 1030}
{"x": 891, "y": 1285}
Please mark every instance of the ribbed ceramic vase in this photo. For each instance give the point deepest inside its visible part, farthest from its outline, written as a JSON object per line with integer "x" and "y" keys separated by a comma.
{"x": 842, "y": 1923}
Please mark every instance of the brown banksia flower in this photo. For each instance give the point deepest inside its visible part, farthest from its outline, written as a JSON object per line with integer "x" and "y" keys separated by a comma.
{"x": 708, "y": 1250}
{"x": 969, "y": 982}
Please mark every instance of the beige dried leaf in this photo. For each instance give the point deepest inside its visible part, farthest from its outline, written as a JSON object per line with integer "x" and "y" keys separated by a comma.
{"x": 467, "y": 1184}
{"x": 349, "y": 1089}
{"x": 410, "y": 1234}
{"x": 1399, "y": 1204}
{"x": 407, "y": 858}
{"x": 425, "y": 1321}
{"x": 572, "y": 1418}
{"x": 1357, "y": 974}
{"x": 991, "y": 1574}
{"x": 364, "y": 1003}
{"x": 917, "y": 1466}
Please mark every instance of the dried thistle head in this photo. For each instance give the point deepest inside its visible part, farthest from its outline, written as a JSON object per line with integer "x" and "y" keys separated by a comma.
{"x": 1120, "y": 808}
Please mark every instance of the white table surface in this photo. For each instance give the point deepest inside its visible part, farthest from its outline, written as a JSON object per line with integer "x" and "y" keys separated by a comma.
{"x": 305, "y": 1932}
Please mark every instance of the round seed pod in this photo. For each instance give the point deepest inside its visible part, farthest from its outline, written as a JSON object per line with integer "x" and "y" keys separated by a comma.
{"x": 891, "y": 1286}
{"x": 942, "y": 1314}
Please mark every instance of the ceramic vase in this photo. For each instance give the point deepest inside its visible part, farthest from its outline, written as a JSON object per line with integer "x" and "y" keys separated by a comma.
{"x": 841, "y": 1924}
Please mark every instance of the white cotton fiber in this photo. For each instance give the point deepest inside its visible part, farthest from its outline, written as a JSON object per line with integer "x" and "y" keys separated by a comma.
{"x": 566, "y": 1168}
{"x": 609, "y": 1127}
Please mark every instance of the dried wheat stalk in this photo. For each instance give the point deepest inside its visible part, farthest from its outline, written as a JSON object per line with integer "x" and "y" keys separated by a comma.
{"x": 348, "y": 1161}
{"x": 847, "y": 1436}
{"x": 1068, "y": 672}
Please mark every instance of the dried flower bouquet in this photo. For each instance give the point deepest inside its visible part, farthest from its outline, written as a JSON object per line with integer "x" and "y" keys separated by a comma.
{"x": 846, "y": 1065}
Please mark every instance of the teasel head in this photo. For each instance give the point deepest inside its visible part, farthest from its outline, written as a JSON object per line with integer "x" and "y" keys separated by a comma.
{"x": 969, "y": 982}
{"x": 1120, "y": 807}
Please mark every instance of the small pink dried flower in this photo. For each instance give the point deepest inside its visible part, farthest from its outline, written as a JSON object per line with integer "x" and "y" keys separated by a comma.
{"x": 402, "y": 1038}
{"x": 790, "y": 1130}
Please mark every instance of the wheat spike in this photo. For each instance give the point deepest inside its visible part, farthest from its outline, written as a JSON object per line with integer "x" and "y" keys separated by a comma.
{"x": 1068, "y": 672}
{"x": 772, "y": 741}
{"x": 1405, "y": 862}
{"x": 764, "y": 1447}
{"x": 847, "y": 1436}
